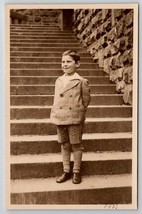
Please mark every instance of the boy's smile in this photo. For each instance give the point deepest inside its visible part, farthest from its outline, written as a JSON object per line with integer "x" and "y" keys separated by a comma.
{"x": 69, "y": 65}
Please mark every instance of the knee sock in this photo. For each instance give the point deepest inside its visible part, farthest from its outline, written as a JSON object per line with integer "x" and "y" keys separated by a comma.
{"x": 77, "y": 155}
{"x": 66, "y": 154}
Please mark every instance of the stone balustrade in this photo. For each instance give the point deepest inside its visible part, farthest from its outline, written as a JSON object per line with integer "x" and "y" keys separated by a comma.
{"x": 17, "y": 18}
{"x": 36, "y": 16}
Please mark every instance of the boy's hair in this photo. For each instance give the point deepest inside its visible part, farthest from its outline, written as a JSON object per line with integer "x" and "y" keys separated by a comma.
{"x": 73, "y": 54}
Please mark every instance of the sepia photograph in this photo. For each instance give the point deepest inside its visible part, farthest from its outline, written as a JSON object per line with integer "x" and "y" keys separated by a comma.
{"x": 71, "y": 106}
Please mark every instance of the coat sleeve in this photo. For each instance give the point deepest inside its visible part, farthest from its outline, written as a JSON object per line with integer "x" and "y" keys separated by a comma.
{"x": 86, "y": 97}
{"x": 56, "y": 91}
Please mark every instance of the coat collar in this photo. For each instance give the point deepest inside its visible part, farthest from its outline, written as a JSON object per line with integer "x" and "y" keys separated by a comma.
{"x": 73, "y": 77}
{"x": 74, "y": 80}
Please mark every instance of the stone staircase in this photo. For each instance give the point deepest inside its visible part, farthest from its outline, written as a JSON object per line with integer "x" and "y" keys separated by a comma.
{"x": 35, "y": 158}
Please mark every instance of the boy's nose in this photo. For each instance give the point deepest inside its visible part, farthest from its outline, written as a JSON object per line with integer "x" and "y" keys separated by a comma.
{"x": 65, "y": 64}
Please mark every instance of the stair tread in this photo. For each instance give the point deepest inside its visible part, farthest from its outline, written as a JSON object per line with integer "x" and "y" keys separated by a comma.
{"x": 95, "y": 95}
{"x": 61, "y": 43}
{"x": 112, "y": 85}
{"x": 91, "y": 136}
{"x": 54, "y": 158}
{"x": 48, "y": 57}
{"x": 88, "y": 182}
{"x": 58, "y": 76}
{"x": 55, "y": 52}
{"x": 90, "y": 106}
{"x": 57, "y": 63}
{"x": 47, "y": 120}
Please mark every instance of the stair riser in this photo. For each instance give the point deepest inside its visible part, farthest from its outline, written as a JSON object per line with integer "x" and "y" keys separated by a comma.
{"x": 35, "y": 45}
{"x": 50, "y": 129}
{"x": 43, "y": 40}
{"x": 31, "y": 29}
{"x": 36, "y": 27}
{"x": 48, "y": 100}
{"x": 44, "y": 170}
{"x": 120, "y": 195}
{"x": 44, "y": 54}
{"x": 47, "y": 49}
{"x": 49, "y": 90}
{"x": 13, "y": 26}
{"x": 27, "y": 25}
{"x": 42, "y": 113}
{"x": 55, "y": 30}
{"x": 58, "y": 72}
{"x": 97, "y": 145}
{"x": 45, "y": 60}
{"x": 47, "y": 66}
{"x": 51, "y": 80}
{"x": 42, "y": 33}
{"x": 45, "y": 37}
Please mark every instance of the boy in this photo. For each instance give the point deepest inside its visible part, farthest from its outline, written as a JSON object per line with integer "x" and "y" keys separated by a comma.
{"x": 72, "y": 96}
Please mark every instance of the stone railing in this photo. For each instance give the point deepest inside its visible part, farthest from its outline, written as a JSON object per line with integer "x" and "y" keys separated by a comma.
{"x": 17, "y": 18}
{"x": 37, "y": 16}
{"x": 108, "y": 36}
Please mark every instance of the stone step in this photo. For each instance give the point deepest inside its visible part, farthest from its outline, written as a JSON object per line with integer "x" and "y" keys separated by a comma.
{"x": 34, "y": 45}
{"x": 46, "y": 49}
{"x": 45, "y": 127}
{"x": 49, "y": 36}
{"x": 91, "y": 142}
{"x": 49, "y": 90}
{"x": 55, "y": 72}
{"x": 44, "y": 54}
{"x": 50, "y": 80}
{"x": 34, "y": 28}
{"x": 13, "y": 26}
{"x": 45, "y": 59}
{"x": 50, "y": 165}
{"x": 103, "y": 189}
{"x": 43, "y": 40}
{"x": 44, "y": 65}
{"x": 43, "y": 33}
{"x": 32, "y": 112}
{"x": 44, "y": 100}
{"x": 39, "y": 31}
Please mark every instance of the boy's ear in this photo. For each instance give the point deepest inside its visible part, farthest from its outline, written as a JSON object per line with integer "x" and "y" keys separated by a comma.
{"x": 77, "y": 64}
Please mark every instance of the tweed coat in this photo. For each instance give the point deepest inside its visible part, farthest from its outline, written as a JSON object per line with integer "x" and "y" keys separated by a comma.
{"x": 70, "y": 102}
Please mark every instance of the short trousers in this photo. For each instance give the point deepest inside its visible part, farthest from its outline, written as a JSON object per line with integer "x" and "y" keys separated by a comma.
{"x": 70, "y": 133}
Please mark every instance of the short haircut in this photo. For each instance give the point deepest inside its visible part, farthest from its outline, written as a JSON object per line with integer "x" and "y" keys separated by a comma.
{"x": 73, "y": 54}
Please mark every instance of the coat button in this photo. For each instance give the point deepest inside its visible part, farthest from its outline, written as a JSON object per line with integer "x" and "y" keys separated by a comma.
{"x": 60, "y": 107}
{"x": 70, "y": 95}
{"x": 61, "y": 95}
{"x": 70, "y": 108}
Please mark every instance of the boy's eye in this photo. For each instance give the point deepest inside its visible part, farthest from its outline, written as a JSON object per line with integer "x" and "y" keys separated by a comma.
{"x": 66, "y": 61}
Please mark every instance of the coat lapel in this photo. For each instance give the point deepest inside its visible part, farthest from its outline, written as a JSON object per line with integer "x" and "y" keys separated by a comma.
{"x": 72, "y": 83}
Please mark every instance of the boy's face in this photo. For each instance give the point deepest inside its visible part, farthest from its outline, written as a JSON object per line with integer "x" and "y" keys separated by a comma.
{"x": 69, "y": 65}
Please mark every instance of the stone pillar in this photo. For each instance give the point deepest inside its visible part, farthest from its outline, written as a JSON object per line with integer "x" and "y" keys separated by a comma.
{"x": 67, "y": 16}
{"x": 15, "y": 21}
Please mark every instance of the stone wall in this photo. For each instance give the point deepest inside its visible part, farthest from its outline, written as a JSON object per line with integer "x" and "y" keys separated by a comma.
{"x": 108, "y": 36}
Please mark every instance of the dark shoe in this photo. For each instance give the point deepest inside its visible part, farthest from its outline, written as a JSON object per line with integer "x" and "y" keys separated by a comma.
{"x": 64, "y": 177}
{"x": 76, "y": 178}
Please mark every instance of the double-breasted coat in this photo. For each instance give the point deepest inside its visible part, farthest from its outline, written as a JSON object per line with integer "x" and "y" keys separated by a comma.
{"x": 70, "y": 102}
